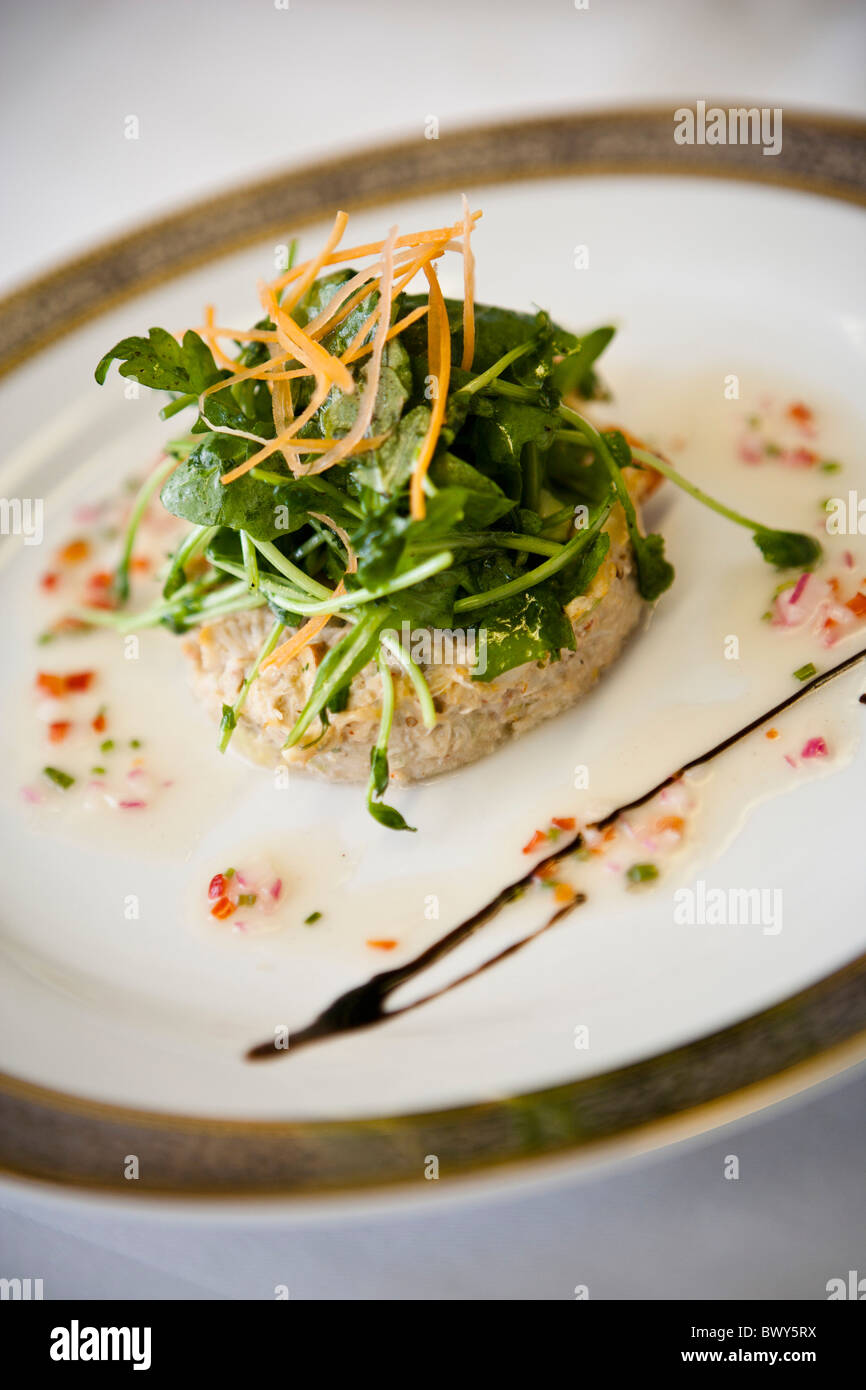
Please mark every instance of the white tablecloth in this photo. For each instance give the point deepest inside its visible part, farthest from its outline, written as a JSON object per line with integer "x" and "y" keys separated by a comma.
{"x": 223, "y": 91}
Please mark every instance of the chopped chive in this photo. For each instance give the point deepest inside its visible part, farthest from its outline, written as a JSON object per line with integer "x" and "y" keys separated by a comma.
{"x": 135, "y": 743}
{"x": 641, "y": 873}
{"x": 830, "y": 466}
{"x": 59, "y": 778}
{"x": 805, "y": 673}
{"x": 229, "y": 873}
{"x": 107, "y": 745}
{"x": 772, "y": 449}
{"x": 97, "y": 772}
{"x": 246, "y": 899}
{"x": 313, "y": 917}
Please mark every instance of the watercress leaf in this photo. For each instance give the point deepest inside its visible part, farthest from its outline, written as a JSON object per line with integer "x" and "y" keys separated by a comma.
{"x": 577, "y": 578}
{"x": 379, "y": 770}
{"x": 194, "y": 491}
{"x": 788, "y": 549}
{"x": 389, "y": 468}
{"x": 382, "y": 541}
{"x": 388, "y": 816}
{"x": 162, "y": 363}
{"x": 485, "y": 501}
{"x": 431, "y": 602}
{"x": 529, "y": 627}
{"x": 655, "y": 574}
{"x": 574, "y": 373}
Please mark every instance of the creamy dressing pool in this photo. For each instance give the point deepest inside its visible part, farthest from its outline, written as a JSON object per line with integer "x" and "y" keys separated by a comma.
{"x": 722, "y": 648}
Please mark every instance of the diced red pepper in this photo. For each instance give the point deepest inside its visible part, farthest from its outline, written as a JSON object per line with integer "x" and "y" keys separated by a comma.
{"x": 58, "y": 730}
{"x": 801, "y": 413}
{"x": 98, "y": 723}
{"x": 222, "y": 908}
{"x": 857, "y": 604}
{"x": 51, "y": 684}
{"x": 49, "y": 580}
{"x": 100, "y": 601}
{"x": 101, "y": 579}
{"x": 140, "y": 564}
{"x": 538, "y": 839}
{"x": 563, "y": 822}
{"x": 217, "y": 887}
{"x": 79, "y": 680}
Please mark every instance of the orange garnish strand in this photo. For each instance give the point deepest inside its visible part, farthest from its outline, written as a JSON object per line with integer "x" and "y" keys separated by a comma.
{"x": 563, "y": 822}
{"x": 468, "y": 292}
{"x": 372, "y": 248}
{"x": 538, "y": 839}
{"x": 299, "y": 639}
{"x": 385, "y": 944}
{"x": 439, "y": 362}
{"x": 857, "y": 605}
{"x": 671, "y": 823}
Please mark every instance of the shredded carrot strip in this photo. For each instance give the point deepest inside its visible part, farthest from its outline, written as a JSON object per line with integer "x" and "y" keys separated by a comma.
{"x": 207, "y": 334}
{"x": 344, "y": 537}
{"x": 439, "y": 355}
{"x": 468, "y": 292}
{"x": 398, "y": 327}
{"x": 417, "y": 264}
{"x": 312, "y": 268}
{"x": 278, "y": 444}
{"x": 306, "y": 349}
{"x": 240, "y": 335}
{"x": 372, "y": 248}
{"x": 298, "y": 640}
{"x": 367, "y": 403}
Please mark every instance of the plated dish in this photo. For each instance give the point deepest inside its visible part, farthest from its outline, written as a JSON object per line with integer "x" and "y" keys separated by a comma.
{"x": 606, "y": 807}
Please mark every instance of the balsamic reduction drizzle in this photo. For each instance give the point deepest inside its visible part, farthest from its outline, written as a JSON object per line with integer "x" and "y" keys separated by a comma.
{"x": 364, "y": 1006}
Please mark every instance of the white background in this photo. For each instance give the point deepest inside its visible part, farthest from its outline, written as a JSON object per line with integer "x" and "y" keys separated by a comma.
{"x": 225, "y": 90}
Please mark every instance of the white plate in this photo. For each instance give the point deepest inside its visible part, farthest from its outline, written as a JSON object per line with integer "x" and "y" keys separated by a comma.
{"x": 704, "y": 280}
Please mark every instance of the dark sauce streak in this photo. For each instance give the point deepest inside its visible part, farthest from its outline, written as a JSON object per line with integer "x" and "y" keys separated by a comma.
{"x": 364, "y": 1006}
